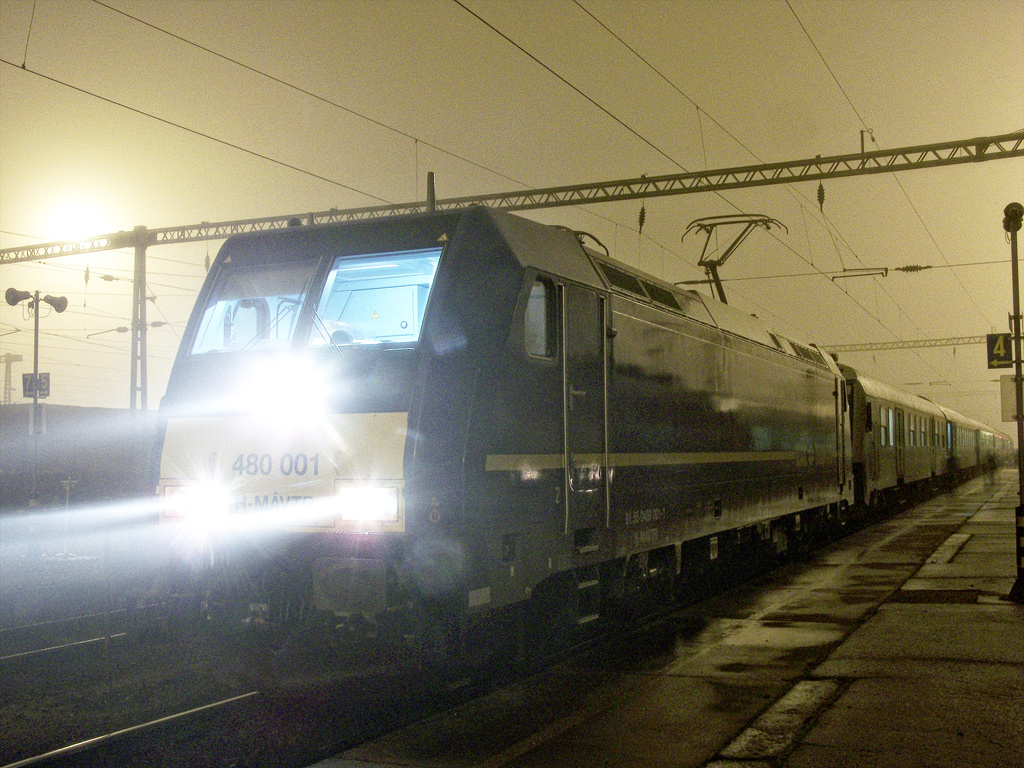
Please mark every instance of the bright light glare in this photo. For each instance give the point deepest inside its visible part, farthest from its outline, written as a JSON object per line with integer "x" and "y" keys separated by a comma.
{"x": 368, "y": 504}
{"x": 285, "y": 391}
{"x": 204, "y": 502}
{"x": 78, "y": 217}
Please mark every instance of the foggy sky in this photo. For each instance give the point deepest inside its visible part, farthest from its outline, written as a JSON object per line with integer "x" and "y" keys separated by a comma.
{"x": 121, "y": 113}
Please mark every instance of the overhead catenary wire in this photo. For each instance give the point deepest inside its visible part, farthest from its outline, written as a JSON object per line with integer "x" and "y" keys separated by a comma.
{"x": 195, "y": 132}
{"x": 871, "y": 133}
{"x": 833, "y": 231}
{"x": 632, "y": 131}
{"x": 644, "y": 233}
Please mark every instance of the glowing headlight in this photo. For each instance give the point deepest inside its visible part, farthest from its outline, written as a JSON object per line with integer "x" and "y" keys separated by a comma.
{"x": 285, "y": 391}
{"x": 203, "y": 502}
{"x": 368, "y": 503}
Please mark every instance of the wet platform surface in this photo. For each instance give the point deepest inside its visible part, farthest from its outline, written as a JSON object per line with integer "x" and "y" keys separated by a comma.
{"x": 892, "y": 647}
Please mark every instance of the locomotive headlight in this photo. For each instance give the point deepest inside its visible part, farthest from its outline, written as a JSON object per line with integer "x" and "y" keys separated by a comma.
{"x": 205, "y": 502}
{"x": 368, "y": 503}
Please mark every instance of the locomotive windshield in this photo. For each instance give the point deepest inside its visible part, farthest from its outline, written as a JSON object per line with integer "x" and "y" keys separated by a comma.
{"x": 254, "y": 308}
{"x": 375, "y": 298}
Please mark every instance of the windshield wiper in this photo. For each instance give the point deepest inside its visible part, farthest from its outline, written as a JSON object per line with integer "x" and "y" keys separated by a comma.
{"x": 321, "y": 326}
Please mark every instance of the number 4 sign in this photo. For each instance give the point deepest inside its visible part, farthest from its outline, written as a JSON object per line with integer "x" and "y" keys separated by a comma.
{"x": 1000, "y": 350}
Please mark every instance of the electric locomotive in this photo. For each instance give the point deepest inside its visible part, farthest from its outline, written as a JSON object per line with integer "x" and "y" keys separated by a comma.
{"x": 444, "y": 419}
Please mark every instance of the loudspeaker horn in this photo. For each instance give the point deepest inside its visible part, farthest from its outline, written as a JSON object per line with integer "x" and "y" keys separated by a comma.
{"x": 59, "y": 303}
{"x": 14, "y": 296}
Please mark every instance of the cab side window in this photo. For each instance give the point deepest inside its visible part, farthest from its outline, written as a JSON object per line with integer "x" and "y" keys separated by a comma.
{"x": 541, "y": 318}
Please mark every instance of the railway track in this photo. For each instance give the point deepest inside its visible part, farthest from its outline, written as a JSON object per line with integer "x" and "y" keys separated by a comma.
{"x": 24, "y": 642}
{"x": 126, "y": 745}
{"x": 322, "y": 709}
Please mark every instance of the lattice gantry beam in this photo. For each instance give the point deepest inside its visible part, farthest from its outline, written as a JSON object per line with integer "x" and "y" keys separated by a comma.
{"x": 955, "y": 341}
{"x": 880, "y": 161}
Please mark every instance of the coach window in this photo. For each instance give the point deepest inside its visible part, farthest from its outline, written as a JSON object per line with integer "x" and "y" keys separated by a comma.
{"x": 883, "y": 426}
{"x": 540, "y": 320}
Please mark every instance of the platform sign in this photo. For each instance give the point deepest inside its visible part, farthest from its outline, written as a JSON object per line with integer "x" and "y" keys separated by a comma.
{"x": 1000, "y": 350}
{"x": 35, "y": 386}
{"x": 1008, "y": 397}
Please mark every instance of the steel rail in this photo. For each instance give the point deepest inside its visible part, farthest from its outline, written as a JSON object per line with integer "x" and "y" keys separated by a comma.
{"x": 98, "y": 741}
{"x": 61, "y": 647}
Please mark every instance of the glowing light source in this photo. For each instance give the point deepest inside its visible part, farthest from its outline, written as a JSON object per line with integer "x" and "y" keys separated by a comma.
{"x": 207, "y": 502}
{"x": 368, "y": 503}
{"x": 285, "y": 391}
{"x": 78, "y": 216}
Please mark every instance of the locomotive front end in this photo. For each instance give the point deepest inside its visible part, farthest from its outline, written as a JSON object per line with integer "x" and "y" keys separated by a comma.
{"x": 283, "y": 467}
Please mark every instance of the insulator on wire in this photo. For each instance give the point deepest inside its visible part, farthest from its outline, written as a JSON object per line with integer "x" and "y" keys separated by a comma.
{"x": 913, "y": 268}
{"x": 821, "y": 197}
{"x": 643, "y": 217}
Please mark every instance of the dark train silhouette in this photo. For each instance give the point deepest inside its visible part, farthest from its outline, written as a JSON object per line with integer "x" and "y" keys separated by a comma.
{"x": 432, "y": 423}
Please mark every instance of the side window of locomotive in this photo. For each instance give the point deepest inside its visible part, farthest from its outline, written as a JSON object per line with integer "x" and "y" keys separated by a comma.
{"x": 541, "y": 320}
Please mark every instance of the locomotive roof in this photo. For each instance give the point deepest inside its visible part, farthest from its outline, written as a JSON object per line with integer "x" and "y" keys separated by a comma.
{"x": 558, "y": 250}
{"x": 551, "y": 249}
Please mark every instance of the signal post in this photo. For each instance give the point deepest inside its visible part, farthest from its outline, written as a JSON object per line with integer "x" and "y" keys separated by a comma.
{"x": 1012, "y": 217}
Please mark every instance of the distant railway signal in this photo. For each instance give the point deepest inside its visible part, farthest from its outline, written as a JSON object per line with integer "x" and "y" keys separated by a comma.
{"x": 1013, "y": 215}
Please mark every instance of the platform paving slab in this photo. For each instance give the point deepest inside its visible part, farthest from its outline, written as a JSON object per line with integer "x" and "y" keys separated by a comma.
{"x": 857, "y": 656}
{"x": 936, "y": 677}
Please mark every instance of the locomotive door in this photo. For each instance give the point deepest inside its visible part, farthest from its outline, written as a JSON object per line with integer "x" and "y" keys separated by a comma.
{"x": 584, "y": 367}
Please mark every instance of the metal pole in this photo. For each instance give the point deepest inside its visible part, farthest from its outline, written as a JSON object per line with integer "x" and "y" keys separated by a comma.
{"x": 34, "y": 498}
{"x": 142, "y": 238}
{"x": 1013, "y": 213}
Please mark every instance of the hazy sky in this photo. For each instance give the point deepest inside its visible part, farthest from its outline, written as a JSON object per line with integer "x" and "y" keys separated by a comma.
{"x": 121, "y": 113}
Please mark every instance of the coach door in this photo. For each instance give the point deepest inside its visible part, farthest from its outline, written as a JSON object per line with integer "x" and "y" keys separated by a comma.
{"x": 901, "y": 442}
{"x": 585, "y": 404}
{"x": 841, "y": 406}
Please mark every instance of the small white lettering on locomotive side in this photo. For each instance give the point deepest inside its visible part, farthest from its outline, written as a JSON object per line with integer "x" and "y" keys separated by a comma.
{"x": 645, "y": 536}
{"x": 641, "y": 516}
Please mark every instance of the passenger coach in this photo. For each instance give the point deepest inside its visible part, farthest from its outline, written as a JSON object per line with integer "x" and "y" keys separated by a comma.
{"x": 902, "y": 442}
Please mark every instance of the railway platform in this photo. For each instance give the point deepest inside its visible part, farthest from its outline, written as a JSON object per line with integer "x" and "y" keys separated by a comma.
{"x": 892, "y": 647}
